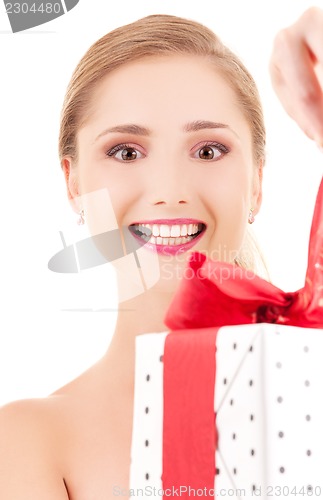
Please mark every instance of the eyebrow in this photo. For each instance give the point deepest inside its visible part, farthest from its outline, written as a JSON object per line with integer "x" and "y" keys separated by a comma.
{"x": 126, "y": 129}
{"x": 131, "y": 128}
{"x": 202, "y": 124}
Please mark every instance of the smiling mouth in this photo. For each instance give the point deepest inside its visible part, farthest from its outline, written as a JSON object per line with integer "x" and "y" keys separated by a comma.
{"x": 167, "y": 234}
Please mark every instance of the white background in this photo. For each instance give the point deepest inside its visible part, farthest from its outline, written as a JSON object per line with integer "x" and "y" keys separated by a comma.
{"x": 43, "y": 346}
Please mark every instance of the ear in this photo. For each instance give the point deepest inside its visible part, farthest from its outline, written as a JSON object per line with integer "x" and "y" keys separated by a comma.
{"x": 71, "y": 180}
{"x": 257, "y": 188}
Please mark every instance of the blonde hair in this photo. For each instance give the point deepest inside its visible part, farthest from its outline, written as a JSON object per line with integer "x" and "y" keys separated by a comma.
{"x": 158, "y": 35}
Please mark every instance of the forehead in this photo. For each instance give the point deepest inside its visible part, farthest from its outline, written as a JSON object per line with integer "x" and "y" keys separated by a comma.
{"x": 165, "y": 92}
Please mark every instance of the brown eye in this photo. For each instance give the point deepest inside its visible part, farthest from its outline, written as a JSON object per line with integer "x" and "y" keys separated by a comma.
{"x": 210, "y": 151}
{"x": 206, "y": 153}
{"x": 125, "y": 152}
{"x": 128, "y": 154}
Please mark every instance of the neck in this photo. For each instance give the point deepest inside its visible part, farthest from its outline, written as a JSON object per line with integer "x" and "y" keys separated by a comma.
{"x": 141, "y": 314}
{"x": 144, "y": 313}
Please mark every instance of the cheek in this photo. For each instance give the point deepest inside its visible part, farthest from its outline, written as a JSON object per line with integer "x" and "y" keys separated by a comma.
{"x": 227, "y": 201}
{"x": 107, "y": 198}
{"x": 231, "y": 218}
{"x": 228, "y": 194}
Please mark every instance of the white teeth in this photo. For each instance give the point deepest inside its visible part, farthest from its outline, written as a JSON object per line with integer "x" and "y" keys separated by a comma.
{"x": 155, "y": 230}
{"x": 164, "y": 234}
{"x": 184, "y": 230}
{"x": 164, "y": 231}
{"x": 175, "y": 231}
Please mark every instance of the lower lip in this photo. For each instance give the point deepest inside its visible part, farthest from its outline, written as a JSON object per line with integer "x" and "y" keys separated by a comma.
{"x": 170, "y": 249}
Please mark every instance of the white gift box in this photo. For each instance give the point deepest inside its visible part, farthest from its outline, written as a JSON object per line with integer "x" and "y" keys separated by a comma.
{"x": 268, "y": 401}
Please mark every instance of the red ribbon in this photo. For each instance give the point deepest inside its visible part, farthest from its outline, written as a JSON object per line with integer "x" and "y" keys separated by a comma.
{"x": 189, "y": 434}
{"x": 218, "y": 294}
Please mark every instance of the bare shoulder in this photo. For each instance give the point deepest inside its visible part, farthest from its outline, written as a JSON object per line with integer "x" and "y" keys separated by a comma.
{"x": 29, "y": 464}
{"x": 61, "y": 447}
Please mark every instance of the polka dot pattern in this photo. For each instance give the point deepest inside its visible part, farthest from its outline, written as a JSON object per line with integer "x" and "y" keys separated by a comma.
{"x": 268, "y": 405}
{"x": 146, "y": 449}
{"x": 274, "y": 376}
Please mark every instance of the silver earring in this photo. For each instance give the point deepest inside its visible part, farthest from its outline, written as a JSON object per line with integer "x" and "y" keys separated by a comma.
{"x": 251, "y": 218}
{"x": 81, "y": 219}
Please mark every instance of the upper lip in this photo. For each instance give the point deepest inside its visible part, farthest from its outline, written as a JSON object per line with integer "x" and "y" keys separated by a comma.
{"x": 169, "y": 221}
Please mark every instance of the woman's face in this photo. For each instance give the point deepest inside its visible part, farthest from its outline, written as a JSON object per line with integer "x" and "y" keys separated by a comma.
{"x": 167, "y": 139}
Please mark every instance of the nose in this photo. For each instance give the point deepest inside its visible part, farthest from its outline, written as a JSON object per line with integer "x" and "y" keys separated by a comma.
{"x": 169, "y": 183}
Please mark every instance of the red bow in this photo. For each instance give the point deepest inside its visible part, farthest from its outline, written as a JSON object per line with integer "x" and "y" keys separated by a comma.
{"x": 219, "y": 294}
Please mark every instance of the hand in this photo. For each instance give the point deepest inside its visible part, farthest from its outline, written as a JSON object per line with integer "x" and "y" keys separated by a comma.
{"x": 296, "y": 69}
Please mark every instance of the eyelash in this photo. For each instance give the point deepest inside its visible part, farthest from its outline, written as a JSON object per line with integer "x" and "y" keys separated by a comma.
{"x": 119, "y": 147}
{"x": 221, "y": 147}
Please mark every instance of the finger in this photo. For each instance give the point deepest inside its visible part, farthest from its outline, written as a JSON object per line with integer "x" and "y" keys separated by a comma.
{"x": 310, "y": 29}
{"x": 295, "y": 82}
